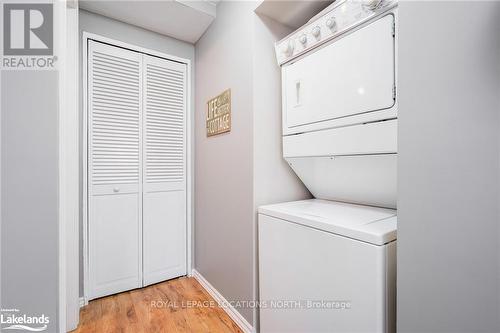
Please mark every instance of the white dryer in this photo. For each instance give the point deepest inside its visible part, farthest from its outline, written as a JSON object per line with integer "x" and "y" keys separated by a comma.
{"x": 339, "y": 104}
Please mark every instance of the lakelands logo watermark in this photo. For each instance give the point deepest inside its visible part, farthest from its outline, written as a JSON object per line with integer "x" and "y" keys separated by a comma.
{"x": 28, "y": 36}
{"x": 12, "y": 319}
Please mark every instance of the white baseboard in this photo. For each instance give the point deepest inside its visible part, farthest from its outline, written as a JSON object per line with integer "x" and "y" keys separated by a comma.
{"x": 230, "y": 310}
{"x": 82, "y": 302}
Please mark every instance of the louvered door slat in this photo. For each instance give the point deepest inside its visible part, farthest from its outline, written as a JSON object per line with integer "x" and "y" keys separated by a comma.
{"x": 164, "y": 193}
{"x": 115, "y": 119}
{"x": 115, "y": 169}
{"x": 164, "y": 134}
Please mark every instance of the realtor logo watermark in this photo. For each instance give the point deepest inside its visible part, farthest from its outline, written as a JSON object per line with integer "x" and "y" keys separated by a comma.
{"x": 28, "y": 36}
{"x": 12, "y": 319}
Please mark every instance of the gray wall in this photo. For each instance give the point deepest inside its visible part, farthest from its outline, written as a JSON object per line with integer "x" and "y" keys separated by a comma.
{"x": 29, "y": 192}
{"x": 448, "y": 172}
{"x": 238, "y": 171}
{"x": 97, "y": 24}
{"x": 224, "y": 165}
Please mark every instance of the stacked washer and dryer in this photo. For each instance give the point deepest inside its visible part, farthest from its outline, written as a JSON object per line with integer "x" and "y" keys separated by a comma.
{"x": 329, "y": 264}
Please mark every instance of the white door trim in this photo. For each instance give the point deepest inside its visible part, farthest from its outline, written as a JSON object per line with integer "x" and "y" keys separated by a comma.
{"x": 63, "y": 155}
{"x": 189, "y": 134}
{"x": 72, "y": 188}
{"x": 66, "y": 26}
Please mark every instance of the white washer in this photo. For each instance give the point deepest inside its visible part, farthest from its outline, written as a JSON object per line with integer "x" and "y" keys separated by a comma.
{"x": 327, "y": 266}
{"x": 330, "y": 266}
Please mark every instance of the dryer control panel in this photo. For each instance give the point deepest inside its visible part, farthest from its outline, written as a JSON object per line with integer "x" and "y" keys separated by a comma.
{"x": 341, "y": 17}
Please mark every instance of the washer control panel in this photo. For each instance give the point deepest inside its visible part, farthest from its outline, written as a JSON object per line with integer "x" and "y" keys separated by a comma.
{"x": 343, "y": 16}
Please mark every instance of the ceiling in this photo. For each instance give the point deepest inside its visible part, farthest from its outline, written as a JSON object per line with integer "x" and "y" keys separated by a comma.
{"x": 185, "y": 20}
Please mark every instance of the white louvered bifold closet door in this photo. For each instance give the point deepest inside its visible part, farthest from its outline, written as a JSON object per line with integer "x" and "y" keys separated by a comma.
{"x": 164, "y": 172}
{"x": 114, "y": 169}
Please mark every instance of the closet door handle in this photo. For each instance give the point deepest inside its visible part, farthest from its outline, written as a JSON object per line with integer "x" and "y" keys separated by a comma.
{"x": 116, "y": 189}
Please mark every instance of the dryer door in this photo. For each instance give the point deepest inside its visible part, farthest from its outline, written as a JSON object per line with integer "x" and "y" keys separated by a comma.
{"x": 352, "y": 75}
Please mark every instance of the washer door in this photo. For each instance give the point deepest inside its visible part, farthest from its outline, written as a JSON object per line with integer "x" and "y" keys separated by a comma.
{"x": 350, "y": 76}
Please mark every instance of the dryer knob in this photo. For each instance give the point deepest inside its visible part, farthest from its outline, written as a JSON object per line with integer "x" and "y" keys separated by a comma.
{"x": 303, "y": 39}
{"x": 316, "y": 31}
{"x": 287, "y": 48}
{"x": 373, "y": 4}
{"x": 330, "y": 23}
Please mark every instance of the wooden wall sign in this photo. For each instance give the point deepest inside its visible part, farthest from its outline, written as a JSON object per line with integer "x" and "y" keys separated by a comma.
{"x": 219, "y": 114}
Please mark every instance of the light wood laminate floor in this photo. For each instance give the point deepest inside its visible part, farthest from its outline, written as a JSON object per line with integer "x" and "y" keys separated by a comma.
{"x": 178, "y": 305}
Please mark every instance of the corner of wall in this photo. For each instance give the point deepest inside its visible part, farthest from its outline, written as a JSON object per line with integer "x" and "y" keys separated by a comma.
{"x": 273, "y": 179}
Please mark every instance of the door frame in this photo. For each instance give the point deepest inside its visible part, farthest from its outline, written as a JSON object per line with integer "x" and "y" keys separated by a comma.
{"x": 86, "y": 36}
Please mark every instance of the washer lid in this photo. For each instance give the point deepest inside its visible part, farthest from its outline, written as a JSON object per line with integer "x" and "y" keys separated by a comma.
{"x": 364, "y": 223}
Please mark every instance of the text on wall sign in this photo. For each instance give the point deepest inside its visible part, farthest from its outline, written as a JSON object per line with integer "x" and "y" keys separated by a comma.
{"x": 219, "y": 114}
